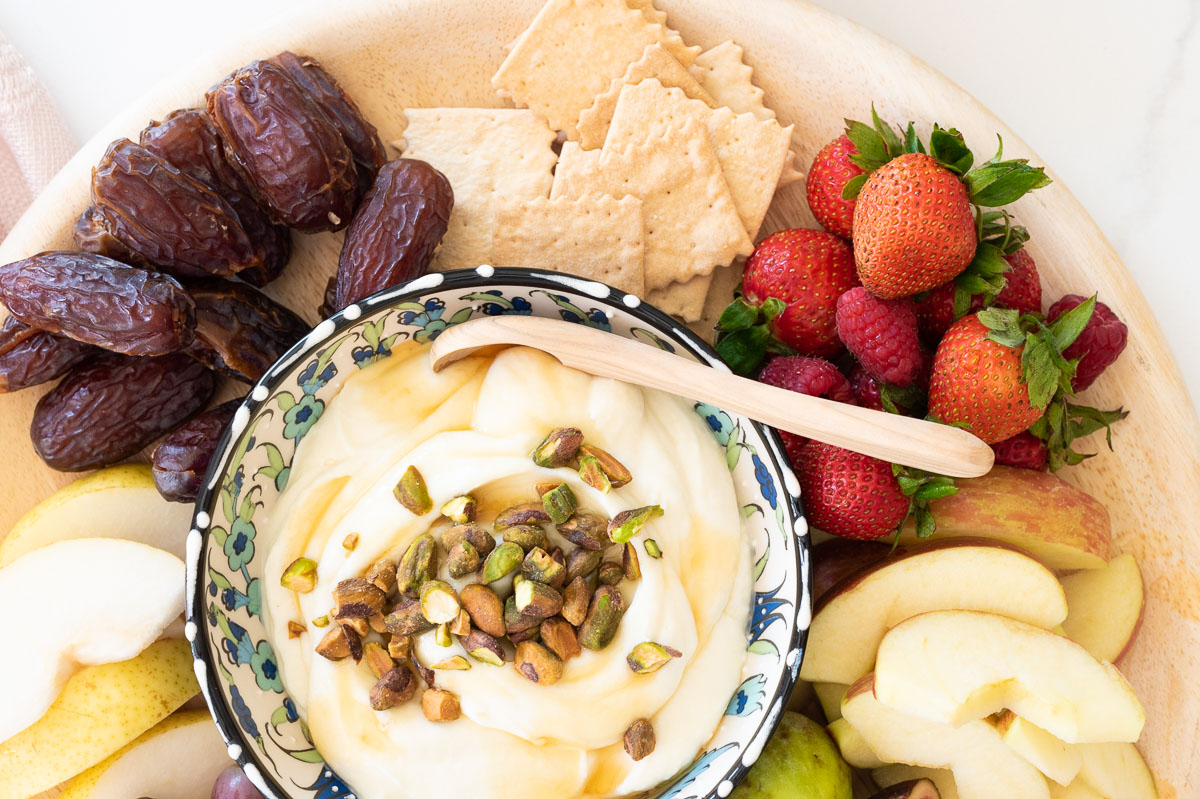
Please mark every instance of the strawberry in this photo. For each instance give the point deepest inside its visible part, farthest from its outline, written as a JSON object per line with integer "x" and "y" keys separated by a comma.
{"x": 789, "y": 298}
{"x": 1022, "y": 292}
{"x": 831, "y": 170}
{"x": 815, "y": 377}
{"x": 882, "y": 334}
{"x": 916, "y": 224}
{"x": 1024, "y": 451}
{"x": 848, "y": 494}
{"x": 1098, "y": 346}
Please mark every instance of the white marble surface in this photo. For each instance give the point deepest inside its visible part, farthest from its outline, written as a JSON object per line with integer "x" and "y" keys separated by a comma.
{"x": 1106, "y": 91}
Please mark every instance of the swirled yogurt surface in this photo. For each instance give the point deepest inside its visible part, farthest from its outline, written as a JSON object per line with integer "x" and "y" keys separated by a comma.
{"x": 470, "y": 429}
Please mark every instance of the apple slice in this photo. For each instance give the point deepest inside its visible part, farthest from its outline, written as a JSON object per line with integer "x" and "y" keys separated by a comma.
{"x": 117, "y": 502}
{"x": 1058, "y": 760}
{"x": 830, "y": 694}
{"x": 984, "y": 766}
{"x": 1052, "y": 520}
{"x": 854, "y": 749}
{"x": 838, "y": 558}
{"x": 82, "y": 602}
{"x": 855, "y": 615}
{"x": 179, "y": 758}
{"x": 1076, "y": 790}
{"x": 1105, "y": 607}
{"x": 893, "y": 773}
{"x": 100, "y": 709}
{"x": 1116, "y": 771}
{"x": 958, "y": 665}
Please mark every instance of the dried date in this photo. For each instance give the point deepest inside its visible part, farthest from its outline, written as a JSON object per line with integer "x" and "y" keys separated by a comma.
{"x": 97, "y": 300}
{"x": 182, "y": 458}
{"x": 395, "y": 231}
{"x": 360, "y": 135}
{"x": 29, "y": 356}
{"x": 91, "y": 235}
{"x": 173, "y": 221}
{"x": 288, "y": 151}
{"x": 240, "y": 331}
{"x": 108, "y": 409}
{"x": 188, "y": 141}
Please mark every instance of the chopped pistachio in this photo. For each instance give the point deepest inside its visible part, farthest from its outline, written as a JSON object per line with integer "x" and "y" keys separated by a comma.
{"x": 628, "y": 523}
{"x": 613, "y": 469}
{"x": 452, "y": 663}
{"x": 442, "y": 636}
{"x": 537, "y": 599}
{"x": 652, "y": 548}
{"x": 610, "y": 573}
{"x": 541, "y": 489}
{"x": 406, "y": 618}
{"x": 558, "y": 448}
{"x": 440, "y": 705}
{"x": 560, "y": 503}
{"x": 478, "y": 537}
{"x": 575, "y": 600}
{"x": 503, "y": 561}
{"x": 538, "y": 664}
{"x": 525, "y": 513}
{"x": 560, "y": 577}
{"x": 460, "y": 510}
{"x": 382, "y": 575}
{"x": 582, "y": 562}
{"x": 485, "y": 608}
{"x": 587, "y": 530}
{"x": 639, "y": 739}
{"x": 321, "y": 621}
{"x": 350, "y": 543}
{"x": 340, "y": 643}
{"x": 559, "y": 637}
{"x": 393, "y": 688}
{"x": 648, "y": 657}
{"x": 400, "y": 647}
{"x": 412, "y": 493}
{"x": 514, "y": 620}
{"x": 540, "y": 567}
{"x": 439, "y": 602}
{"x": 357, "y": 598}
{"x": 532, "y": 634}
{"x": 526, "y": 536}
{"x": 462, "y": 560}
{"x": 630, "y": 562}
{"x": 418, "y": 565}
{"x": 603, "y": 616}
{"x": 593, "y": 475}
{"x": 359, "y": 626}
{"x": 295, "y": 629}
{"x": 376, "y": 623}
{"x": 462, "y": 624}
{"x": 484, "y": 648}
{"x": 301, "y": 576}
{"x": 378, "y": 659}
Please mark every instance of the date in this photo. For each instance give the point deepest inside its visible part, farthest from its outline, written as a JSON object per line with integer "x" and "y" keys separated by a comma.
{"x": 240, "y": 332}
{"x": 29, "y": 357}
{"x": 360, "y": 135}
{"x": 171, "y": 220}
{"x": 91, "y": 235}
{"x": 187, "y": 140}
{"x": 99, "y": 301}
{"x": 106, "y": 410}
{"x": 182, "y": 458}
{"x": 288, "y": 151}
{"x": 395, "y": 231}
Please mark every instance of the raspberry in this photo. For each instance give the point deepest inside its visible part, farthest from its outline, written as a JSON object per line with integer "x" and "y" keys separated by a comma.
{"x": 815, "y": 377}
{"x": 1100, "y": 343}
{"x": 882, "y": 334}
{"x": 1024, "y": 451}
{"x": 828, "y": 175}
{"x": 865, "y": 388}
{"x": 1022, "y": 292}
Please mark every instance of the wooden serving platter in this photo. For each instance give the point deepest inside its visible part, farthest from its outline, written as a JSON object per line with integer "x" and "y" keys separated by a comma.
{"x": 816, "y": 68}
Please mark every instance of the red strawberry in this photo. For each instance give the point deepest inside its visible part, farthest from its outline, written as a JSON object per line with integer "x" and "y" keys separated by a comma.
{"x": 848, "y": 494}
{"x": 813, "y": 376}
{"x": 1024, "y": 451}
{"x": 882, "y": 334}
{"x": 980, "y": 383}
{"x": 828, "y": 175}
{"x": 913, "y": 227}
{"x": 808, "y": 270}
{"x": 1022, "y": 292}
{"x": 1100, "y": 343}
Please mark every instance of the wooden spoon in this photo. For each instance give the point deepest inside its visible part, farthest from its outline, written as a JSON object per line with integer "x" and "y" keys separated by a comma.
{"x": 898, "y": 439}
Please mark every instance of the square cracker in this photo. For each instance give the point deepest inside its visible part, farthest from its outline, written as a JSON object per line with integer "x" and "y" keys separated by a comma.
{"x": 691, "y": 224}
{"x": 751, "y": 151}
{"x": 483, "y": 152}
{"x": 599, "y": 238}
{"x": 655, "y": 63}
{"x": 724, "y": 74}
{"x": 571, "y": 52}
{"x": 572, "y": 161}
{"x": 684, "y": 299}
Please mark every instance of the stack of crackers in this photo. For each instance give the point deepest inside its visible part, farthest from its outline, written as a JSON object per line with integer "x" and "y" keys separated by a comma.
{"x": 634, "y": 159}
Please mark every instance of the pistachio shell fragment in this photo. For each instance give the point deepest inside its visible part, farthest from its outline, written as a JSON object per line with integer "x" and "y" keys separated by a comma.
{"x": 575, "y": 601}
{"x": 560, "y": 503}
{"x": 440, "y": 705}
{"x": 503, "y": 561}
{"x": 613, "y": 469}
{"x": 559, "y": 637}
{"x": 412, "y": 493}
{"x": 537, "y": 599}
{"x": 648, "y": 657}
{"x": 558, "y": 448}
{"x": 406, "y": 618}
{"x": 539, "y": 567}
{"x": 603, "y": 616}
{"x": 479, "y": 538}
{"x": 628, "y": 523}
{"x": 630, "y": 562}
{"x": 462, "y": 560}
{"x": 484, "y": 648}
{"x": 537, "y": 663}
{"x": 639, "y": 739}
{"x": 652, "y": 548}
{"x": 418, "y": 565}
{"x": 357, "y": 598}
{"x": 460, "y": 510}
{"x": 526, "y": 536}
{"x": 382, "y": 575}
{"x": 610, "y": 573}
{"x": 587, "y": 530}
{"x": 439, "y": 602}
{"x": 393, "y": 688}
{"x": 300, "y": 576}
{"x": 525, "y": 513}
{"x": 378, "y": 659}
{"x": 452, "y": 663}
{"x": 485, "y": 608}
{"x": 591, "y": 474}
{"x": 582, "y": 562}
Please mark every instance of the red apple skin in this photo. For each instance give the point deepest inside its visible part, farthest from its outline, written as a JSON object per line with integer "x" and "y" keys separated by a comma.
{"x": 839, "y": 558}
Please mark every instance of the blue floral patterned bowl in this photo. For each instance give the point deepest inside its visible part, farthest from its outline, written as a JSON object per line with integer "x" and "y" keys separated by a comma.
{"x": 235, "y": 663}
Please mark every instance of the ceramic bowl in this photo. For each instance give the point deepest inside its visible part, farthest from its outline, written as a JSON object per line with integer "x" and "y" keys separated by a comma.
{"x": 234, "y": 661}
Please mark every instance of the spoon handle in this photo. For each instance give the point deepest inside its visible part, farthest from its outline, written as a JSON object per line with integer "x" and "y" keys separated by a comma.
{"x": 898, "y": 439}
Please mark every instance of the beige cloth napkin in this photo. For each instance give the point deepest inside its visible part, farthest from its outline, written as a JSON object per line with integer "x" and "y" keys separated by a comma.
{"x": 34, "y": 140}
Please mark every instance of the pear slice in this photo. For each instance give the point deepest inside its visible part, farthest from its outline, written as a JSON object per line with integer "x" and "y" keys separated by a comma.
{"x": 1058, "y": 760}
{"x": 984, "y": 766}
{"x": 117, "y": 502}
{"x": 179, "y": 758}
{"x": 1105, "y": 607}
{"x": 954, "y": 666}
{"x": 77, "y": 603}
{"x": 100, "y": 709}
{"x": 852, "y": 618}
{"x": 886, "y": 776}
